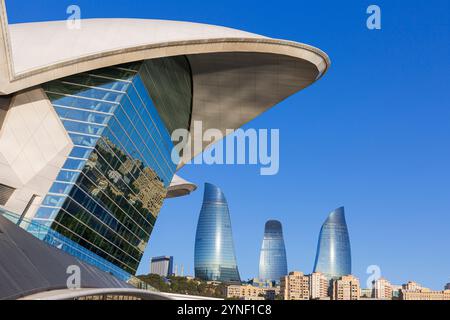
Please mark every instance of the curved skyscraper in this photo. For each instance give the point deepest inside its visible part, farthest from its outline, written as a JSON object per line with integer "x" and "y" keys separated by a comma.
{"x": 214, "y": 249}
{"x": 272, "y": 260}
{"x": 333, "y": 256}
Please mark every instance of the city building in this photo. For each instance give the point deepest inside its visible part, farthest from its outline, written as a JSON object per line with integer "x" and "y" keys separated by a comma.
{"x": 87, "y": 115}
{"x": 447, "y": 286}
{"x": 272, "y": 293}
{"x": 412, "y": 286}
{"x": 214, "y": 257}
{"x": 249, "y": 292}
{"x": 382, "y": 289}
{"x": 366, "y": 293}
{"x": 346, "y": 288}
{"x": 414, "y": 291}
{"x": 271, "y": 288}
{"x": 162, "y": 266}
{"x": 257, "y": 282}
{"x": 272, "y": 260}
{"x": 333, "y": 257}
{"x": 295, "y": 286}
{"x": 424, "y": 294}
{"x": 318, "y": 286}
{"x": 396, "y": 291}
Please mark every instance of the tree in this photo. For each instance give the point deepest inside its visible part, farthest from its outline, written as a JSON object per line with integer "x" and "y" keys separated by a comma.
{"x": 183, "y": 285}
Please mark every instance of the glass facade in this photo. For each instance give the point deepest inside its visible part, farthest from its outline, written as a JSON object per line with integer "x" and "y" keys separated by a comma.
{"x": 109, "y": 192}
{"x": 272, "y": 261}
{"x": 333, "y": 256}
{"x": 214, "y": 256}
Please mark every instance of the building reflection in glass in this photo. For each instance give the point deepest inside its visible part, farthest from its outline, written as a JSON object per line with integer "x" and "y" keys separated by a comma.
{"x": 110, "y": 190}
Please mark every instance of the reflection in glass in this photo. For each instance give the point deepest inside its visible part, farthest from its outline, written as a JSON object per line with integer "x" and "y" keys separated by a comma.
{"x": 109, "y": 192}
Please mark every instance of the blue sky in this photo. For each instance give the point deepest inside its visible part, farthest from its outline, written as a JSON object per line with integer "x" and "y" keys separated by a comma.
{"x": 372, "y": 135}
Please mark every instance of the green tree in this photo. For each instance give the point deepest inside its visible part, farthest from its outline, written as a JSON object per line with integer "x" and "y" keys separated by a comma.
{"x": 183, "y": 285}
{"x": 156, "y": 282}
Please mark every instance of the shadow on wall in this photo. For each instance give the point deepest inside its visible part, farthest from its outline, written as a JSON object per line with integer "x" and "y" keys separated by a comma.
{"x": 4, "y": 106}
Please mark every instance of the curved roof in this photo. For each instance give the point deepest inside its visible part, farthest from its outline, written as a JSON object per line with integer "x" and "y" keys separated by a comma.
{"x": 58, "y": 51}
{"x": 100, "y": 36}
{"x": 236, "y": 75}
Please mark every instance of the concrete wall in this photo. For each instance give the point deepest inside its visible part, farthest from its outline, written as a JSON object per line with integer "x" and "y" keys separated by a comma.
{"x": 33, "y": 147}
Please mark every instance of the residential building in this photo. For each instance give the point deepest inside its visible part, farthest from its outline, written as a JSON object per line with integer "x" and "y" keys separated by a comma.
{"x": 382, "y": 289}
{"x": 271, "y": 293}
{"x": 366, "y": 293}
{"x": 412, "y": 286}
{"x": 346, "y": 288}
{"x": 295, "y": 286}
{"x": 257, "y": 282}
{"x": 396, "y": 291}
{"x": 249, "y": 292}
{"x": 414, "y": 291}
{"x": 318, "y": 285}
{"x": 424, "y": 294}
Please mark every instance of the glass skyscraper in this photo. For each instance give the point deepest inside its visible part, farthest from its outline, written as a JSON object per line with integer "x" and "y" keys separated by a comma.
{"x": 109, "y": 192}
{"x": 333, "y": 256}
{"x": 214, "y": 249}
{"x": 272, "y": 260}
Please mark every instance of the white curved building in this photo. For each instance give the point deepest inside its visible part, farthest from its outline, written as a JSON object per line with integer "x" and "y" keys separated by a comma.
{"x": 86, "y": 117}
